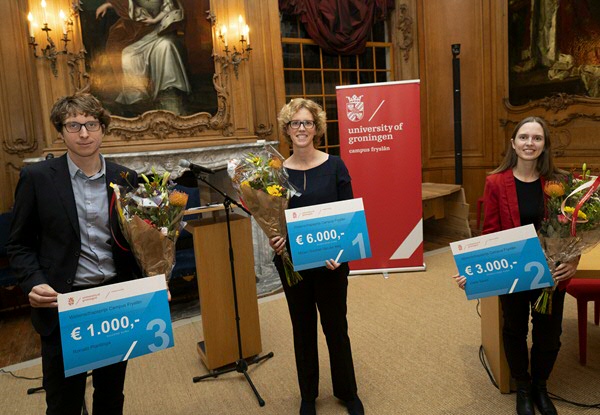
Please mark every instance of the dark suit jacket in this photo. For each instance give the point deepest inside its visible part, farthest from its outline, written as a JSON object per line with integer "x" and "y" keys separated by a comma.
{"x": 44, "y": 242}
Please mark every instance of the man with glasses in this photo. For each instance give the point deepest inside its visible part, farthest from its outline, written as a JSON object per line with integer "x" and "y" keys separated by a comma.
{"x": 62, "y": 239}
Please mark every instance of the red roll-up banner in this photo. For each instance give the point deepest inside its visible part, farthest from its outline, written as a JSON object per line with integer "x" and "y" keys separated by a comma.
{"x": 380, "y": 142}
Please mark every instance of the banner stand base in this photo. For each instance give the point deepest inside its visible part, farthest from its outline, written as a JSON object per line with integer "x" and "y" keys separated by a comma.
{"x": 388, "y": 270}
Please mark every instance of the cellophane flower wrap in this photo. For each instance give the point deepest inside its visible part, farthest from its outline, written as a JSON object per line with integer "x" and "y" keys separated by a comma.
{"x": 151, "y": 220}
{"x": 571, "y": 226}
{"x": 264, "y": 188}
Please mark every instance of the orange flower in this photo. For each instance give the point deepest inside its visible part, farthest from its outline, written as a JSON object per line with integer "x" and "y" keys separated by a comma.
{"x": 275, "y": 163}
{"x": 177, "y": 198}
{"x": 554, "y": 189}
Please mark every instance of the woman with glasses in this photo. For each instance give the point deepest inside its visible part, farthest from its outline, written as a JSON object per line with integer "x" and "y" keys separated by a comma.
{"x": 321, "y": 178}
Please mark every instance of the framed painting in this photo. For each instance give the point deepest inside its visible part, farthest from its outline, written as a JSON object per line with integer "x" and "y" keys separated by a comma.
{"x": 554, "y": 49}
{"x": 150, "y": 63}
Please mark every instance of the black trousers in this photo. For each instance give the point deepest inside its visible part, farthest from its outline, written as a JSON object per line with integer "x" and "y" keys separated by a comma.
{"x": 545, "y": 334}
{"x": 325, "y": 291}
{"x": 64, "y": 396}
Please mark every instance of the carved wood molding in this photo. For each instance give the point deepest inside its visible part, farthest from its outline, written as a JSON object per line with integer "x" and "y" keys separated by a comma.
{"x": 19, "y": 145}
{"x": 561, "y": 137}
{"x": 405, "y": 26}
{"x": 557, "y": 102}
{"x": 263, "y": 131}
{"x": 164, "y": 124}
{"x": 557, "y": 123}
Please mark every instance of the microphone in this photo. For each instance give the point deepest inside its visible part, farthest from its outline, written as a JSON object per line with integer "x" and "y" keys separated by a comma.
{"x": 195, "y": 168}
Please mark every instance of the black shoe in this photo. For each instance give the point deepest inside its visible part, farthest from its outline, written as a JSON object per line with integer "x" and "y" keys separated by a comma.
{"x": 355, "y": 407}
{"x": 524, "y": 400}
{"x": 308, "y": 408}
{"x": 541, "y": 398}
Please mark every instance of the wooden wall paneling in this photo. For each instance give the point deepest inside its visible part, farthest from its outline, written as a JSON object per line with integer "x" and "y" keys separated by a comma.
{"x": 50, "y": 87}
{"x": 266, "y": 68}
{"x": 227, "y": 12}
{"x": 442, "y": 24}
{"x": 21, "y": 129}
{"x": 499, "y": 32}
{"x": 403, "y": 24}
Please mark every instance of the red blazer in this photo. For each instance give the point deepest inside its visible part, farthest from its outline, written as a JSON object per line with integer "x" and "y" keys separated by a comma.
{"x": 500, "y": 203}
{"x": 501, "y": 206}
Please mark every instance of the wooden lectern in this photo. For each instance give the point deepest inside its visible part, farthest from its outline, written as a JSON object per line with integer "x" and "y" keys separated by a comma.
{"x": 213, "y": 269}
{"x": 491, "y": 339}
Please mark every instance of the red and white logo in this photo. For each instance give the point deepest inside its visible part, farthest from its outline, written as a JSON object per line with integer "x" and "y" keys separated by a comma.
{"x": 355, "y": 108}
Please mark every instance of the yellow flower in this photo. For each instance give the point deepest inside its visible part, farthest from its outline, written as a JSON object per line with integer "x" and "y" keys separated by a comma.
{"x": 275, "y": 163}
{"x": 580, "y": 214}
{"x": 554, "y": 189}
{"x": 165, "y": 178}
{"x": 256, "y": 160}
{"x": 274, "y": 190}
{"x": 245, "y": 183}
{"x": 177, "y": 198}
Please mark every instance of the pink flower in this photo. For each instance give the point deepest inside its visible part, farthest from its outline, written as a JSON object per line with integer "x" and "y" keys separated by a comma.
{"x": 562, "y": 219}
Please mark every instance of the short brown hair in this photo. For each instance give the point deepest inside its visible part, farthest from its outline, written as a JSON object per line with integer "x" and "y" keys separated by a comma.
{"x": 79, "y": 103}
{"x": 287, "y": 112}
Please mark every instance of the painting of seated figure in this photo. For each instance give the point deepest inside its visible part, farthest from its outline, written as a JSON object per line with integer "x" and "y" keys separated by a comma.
{"x": 145, "y": 55}
{"x": 554, "y": 47}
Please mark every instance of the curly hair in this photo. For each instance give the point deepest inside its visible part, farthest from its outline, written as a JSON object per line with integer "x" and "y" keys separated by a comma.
{"x": 79, "y": 103}
{"x": 295, "y": 105}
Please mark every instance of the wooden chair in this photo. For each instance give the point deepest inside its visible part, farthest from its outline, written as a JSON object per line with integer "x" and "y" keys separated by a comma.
{"x": 584, "y": 290}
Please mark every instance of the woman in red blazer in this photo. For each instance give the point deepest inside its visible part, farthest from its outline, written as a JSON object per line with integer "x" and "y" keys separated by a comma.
{"x": 514, "y": 196}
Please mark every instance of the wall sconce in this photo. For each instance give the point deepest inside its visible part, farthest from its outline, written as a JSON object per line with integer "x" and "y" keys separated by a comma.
{"x": 51, "y": 52}
{"x": 240, "y": 50}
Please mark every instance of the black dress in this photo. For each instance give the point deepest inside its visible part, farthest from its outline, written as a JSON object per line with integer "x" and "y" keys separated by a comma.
{"x": 517, "y": 307}
{"x": 321, "y": 289}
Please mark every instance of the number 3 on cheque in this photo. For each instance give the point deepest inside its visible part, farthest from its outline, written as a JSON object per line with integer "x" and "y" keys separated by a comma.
{"x": 335, "y": 230}
{"x": 502, "y": 262}
{"x": 105, "y": 325}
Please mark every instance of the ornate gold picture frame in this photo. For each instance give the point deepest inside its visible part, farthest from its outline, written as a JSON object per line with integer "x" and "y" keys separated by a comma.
{"x": 151, "y": 64}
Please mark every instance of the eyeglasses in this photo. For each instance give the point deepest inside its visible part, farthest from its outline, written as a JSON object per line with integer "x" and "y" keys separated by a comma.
{"x": 308, "y": 124}
{"x": 75, "y": 127}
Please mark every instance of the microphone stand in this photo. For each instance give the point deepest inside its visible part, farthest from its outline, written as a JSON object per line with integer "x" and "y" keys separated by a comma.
{"x": 241, "y": 365}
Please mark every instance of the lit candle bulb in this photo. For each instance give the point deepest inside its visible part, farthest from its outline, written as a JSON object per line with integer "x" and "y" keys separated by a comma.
{"x": 44, "y": 10}
{"x": 224, "y": 34}
{"x": 239, "y": 27}
{"x": 31, "y": 22}
{"x": 247, "y": 34}
{"x": 63, "y": 17}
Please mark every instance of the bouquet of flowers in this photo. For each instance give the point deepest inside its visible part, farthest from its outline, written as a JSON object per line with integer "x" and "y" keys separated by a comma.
{"x": 571, "y": 225}
{"x": 264, "y": 187}
{"x": 151, "y": 220}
